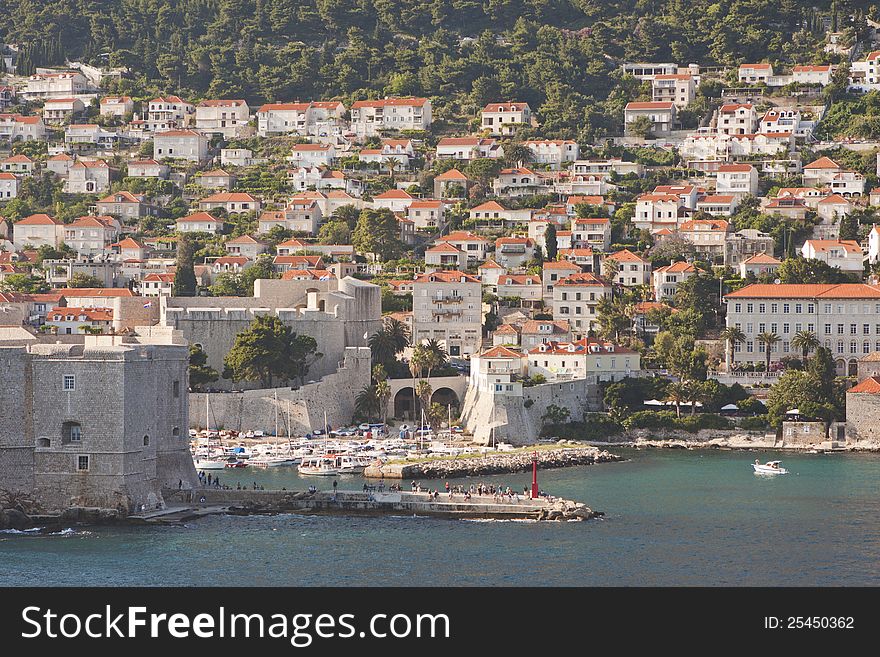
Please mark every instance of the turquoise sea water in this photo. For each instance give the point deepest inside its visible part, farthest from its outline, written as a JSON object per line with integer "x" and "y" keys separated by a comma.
{"x": 673, "y": 518}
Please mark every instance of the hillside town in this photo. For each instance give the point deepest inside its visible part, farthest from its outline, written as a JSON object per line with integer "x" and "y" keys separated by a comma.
{"x": 714, "y": 265}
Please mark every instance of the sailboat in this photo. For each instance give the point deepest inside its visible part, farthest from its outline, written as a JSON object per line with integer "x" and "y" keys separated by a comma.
{"x": 208, "y": 463}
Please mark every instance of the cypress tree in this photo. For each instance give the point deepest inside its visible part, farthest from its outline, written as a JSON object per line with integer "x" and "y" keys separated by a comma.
{"x": 550, "y": 241}
{"x": 185, "y": 274}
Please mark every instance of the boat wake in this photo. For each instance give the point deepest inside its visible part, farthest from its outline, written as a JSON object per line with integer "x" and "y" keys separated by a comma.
{"x": 33, "y": 530}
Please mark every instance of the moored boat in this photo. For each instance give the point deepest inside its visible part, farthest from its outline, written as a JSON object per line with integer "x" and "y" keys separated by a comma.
{"x": 771, "y": 467}
{"x": 322, "y": 466}
{"x": 209, "y": 464}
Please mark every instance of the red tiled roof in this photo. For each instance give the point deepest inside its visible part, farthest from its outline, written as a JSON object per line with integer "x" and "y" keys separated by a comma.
{"x": 500, "y": 352}
{"x": 870, "y": 386}
{"x": 98, "y": 292}
{"x": 200, "y": 217}
{"x": 446, "y": 277}
{"x": 39, "y": 220}
{"x": 398, "y": 194}
{"x": 822, "y": 163}
{"x": 229, "y": 197}
{"x": 762, "y": 259}
{"x": 583, "y": 279}
{"x": 807, "y": 291}
{"x": 650, "y": 105}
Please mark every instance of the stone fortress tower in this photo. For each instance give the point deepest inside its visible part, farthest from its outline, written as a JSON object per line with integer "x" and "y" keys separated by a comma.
{"x": 103, "y": 423}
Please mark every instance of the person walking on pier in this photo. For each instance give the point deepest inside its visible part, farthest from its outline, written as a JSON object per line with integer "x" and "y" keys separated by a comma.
{"x": 335, "y": 484}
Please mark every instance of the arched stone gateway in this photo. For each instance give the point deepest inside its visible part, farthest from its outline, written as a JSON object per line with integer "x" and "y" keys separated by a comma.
{"x": 445, "y": 390}
{"x": 853, "y": 368}
{"x": 840, "y": 367}
{"x": 404, "y": 403}
{"x": 445, "y": 397}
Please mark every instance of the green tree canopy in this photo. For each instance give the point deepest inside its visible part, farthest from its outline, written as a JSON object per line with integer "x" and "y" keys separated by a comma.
{"x": 270, "y": 350}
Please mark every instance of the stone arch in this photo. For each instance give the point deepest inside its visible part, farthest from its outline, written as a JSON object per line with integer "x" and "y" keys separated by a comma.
{"x": 853, "y": 368}
{"x": 445, "y": 396}
{"x": 404, "y": 403}
{"x": 840, "y": 367}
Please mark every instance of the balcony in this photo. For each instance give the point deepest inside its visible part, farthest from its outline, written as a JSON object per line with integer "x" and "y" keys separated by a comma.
{"x": 450, "y": 298}
{"x": 451, "y": 311}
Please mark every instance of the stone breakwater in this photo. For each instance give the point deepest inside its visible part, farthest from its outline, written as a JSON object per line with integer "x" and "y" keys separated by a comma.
{"x": 490, "y": 464}
{"x": 456, "y": 506}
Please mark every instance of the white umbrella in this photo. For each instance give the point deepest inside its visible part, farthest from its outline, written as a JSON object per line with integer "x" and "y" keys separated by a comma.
{"x": 653, "y": 402}
{"x": 730, "y": 407}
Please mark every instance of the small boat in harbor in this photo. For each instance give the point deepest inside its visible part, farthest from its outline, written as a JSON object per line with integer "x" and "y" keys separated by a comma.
{"x": 769, "y": 468}
{"x": 209, "y": 464}
{"x": 233, "y": 462}
{"x": 321, "y": 466}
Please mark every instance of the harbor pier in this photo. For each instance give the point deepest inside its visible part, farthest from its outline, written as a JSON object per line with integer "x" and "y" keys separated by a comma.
{"x": 189, "y": 504}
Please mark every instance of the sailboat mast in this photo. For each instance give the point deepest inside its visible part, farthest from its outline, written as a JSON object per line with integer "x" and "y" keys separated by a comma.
{"x": 276, "y": 414}
{"x": 288, "y": 421}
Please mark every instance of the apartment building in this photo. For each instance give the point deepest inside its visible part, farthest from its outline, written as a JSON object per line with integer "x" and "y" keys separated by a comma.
{"x": 447, "y": 306}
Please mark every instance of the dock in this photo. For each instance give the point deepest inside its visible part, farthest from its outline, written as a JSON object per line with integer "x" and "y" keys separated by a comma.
{"x": 185, "y": 505}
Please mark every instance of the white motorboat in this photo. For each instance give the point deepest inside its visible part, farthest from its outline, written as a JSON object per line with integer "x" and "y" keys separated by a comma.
{"x": 321, "y": 466}
{"x": 348, "y": 464}
{"x": 769, "y": 468}
{"x": 209, "y": 464}
{"x": 272, "y": 461}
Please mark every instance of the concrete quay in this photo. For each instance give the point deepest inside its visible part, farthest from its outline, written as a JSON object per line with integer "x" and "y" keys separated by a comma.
{"x": 187, "y": 505}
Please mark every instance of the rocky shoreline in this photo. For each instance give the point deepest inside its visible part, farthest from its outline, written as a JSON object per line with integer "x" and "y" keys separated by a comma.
{"x": 562, "y": 457}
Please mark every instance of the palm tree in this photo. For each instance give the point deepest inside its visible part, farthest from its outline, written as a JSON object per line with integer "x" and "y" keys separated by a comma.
{"x": 678, "y": 393}
{"x": 399, "y": 333}
{"x": 388, "y": 341}
{"x": 416, "y": 365}
{"x": 435, "y": 355}
{"x": 423, "y": 392}
{"x": 366, "y": 403}
{"x": 732, "y": 335}
{"x": 769, "y": 339}
{"x": 806, "y": 341}
{"x": 610, "y": 269}
{"x": 517, "y": 154}
{"x": 696, "y": 393}
{"x": 391, "y": 163}
{"x": 382, "y": 346}
{"x": 383, "y": 392}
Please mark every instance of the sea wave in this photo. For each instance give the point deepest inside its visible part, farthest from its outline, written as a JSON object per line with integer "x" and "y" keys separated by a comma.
{"x": 21, "y": 531}
{"x": 528, "y": 520}
{"x": 70, "y": 531}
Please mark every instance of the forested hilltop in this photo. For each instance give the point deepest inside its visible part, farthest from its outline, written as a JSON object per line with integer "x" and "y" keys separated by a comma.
{"x": 561, "y": 56}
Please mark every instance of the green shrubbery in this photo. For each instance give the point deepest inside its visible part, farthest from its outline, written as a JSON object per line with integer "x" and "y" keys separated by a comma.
{"x": 668, "y": 420}
{"x": 757, "y": 422}
{"x": 596, "y": 426}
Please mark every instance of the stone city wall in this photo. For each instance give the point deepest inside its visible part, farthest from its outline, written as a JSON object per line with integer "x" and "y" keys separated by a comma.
{"x": 255, "y": 410}
{"x": 517, "y": 419}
